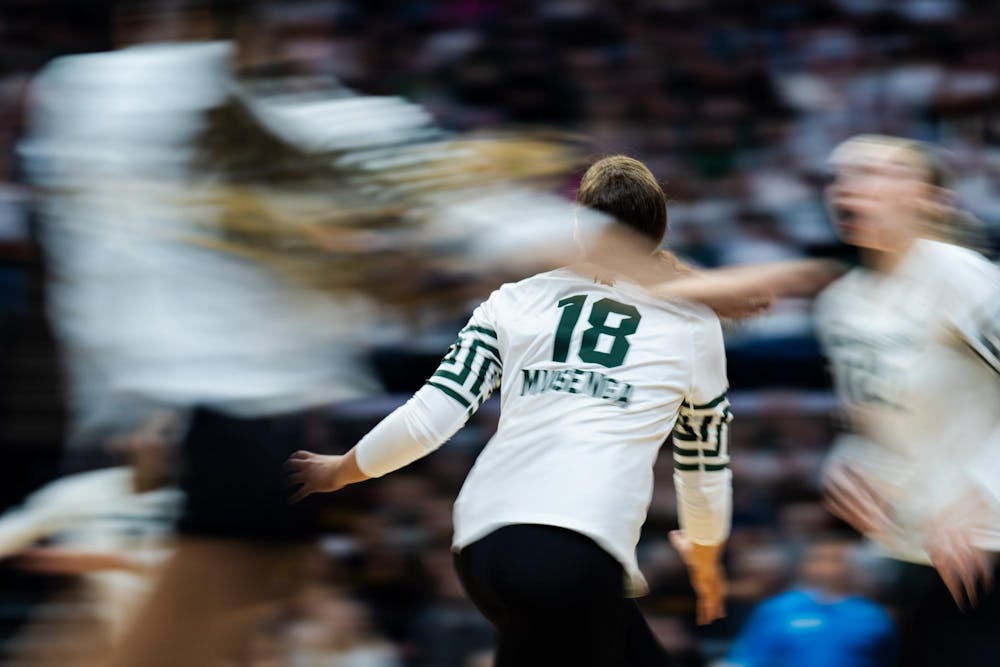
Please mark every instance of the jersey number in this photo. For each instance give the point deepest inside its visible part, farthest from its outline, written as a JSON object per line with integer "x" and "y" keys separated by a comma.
{"x": 572, "y": 309}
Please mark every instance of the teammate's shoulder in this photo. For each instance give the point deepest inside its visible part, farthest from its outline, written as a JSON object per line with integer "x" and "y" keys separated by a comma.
{"x": 947, "y": 257}
{"x": 950, "y": 264}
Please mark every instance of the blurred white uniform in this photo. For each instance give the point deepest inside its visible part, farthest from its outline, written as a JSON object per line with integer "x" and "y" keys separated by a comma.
{"x": 592, "y": 380}
{"x": 100, "y": 512}
{"x": 916, "y": 359}
{"x": 144, "y": 313}
{"x": 147, "y": 314}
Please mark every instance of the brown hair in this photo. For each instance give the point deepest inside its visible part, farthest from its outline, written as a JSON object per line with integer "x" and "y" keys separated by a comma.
{"x": 626, "y": 190}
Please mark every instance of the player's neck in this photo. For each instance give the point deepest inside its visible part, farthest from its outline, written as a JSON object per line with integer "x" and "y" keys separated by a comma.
{"x": 886, "y": 261}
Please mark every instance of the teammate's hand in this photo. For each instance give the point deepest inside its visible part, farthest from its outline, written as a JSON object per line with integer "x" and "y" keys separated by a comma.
{"x": 318, "y": 473}
{"x": 708, "y": 577}
{"x": 849, "y": 496}
{"x": 965, "y": 568}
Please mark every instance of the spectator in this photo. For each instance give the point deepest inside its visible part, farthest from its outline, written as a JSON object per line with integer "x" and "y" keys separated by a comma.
{"x": 819, "y": 623}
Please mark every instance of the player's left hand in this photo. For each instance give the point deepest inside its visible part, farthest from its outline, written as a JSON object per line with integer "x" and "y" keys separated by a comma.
{"x": 708, "y": 577}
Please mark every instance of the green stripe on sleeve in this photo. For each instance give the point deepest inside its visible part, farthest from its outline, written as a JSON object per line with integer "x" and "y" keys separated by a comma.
{"x": 694, "y": 467}
{"x": 705, "y": 406}
{"x": 680, "y": 451}
{"x": 451, "y": 393}
{"x": 482, "y": 330}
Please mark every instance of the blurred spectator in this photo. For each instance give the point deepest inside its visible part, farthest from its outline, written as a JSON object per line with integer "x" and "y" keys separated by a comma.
{"x": 820, "y": 622}
{"x": 335, "y": 631}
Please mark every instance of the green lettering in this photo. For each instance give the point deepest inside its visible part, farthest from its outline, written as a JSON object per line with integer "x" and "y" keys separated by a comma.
{"x": 625, "y": 397}
{"x": 531, "y": 381}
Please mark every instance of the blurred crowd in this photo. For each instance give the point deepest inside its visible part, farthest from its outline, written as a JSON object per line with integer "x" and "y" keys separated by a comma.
{"x": 733, "y": 104}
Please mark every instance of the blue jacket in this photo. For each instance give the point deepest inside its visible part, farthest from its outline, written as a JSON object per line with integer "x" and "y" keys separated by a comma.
{"x": 800, "y": 629}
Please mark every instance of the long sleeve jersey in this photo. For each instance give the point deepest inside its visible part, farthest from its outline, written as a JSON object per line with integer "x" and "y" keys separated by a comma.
{"x": 593, "y": 379}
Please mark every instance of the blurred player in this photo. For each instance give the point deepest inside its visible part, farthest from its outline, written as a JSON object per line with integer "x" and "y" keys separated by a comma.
{"x": 912, "y": 337}
{"x": 594, "y": 374}
{"x": 111, "y": 529}
{"x": 148, "y": 320}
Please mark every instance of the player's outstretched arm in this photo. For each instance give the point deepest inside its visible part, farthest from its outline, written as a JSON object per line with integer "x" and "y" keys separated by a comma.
{"x": 466, "y": 377}
{"x": 746, "y": 291}
{"x": 409, "y": 433}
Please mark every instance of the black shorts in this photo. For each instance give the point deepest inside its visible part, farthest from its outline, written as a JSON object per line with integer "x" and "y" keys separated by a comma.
{"x": 556, "y": 598}
{"x": 234, "y": 481}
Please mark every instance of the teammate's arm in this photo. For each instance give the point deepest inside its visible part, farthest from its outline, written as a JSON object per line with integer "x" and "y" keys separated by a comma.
{"x": 466, "y": 377}
{"x": 701, "y": 472}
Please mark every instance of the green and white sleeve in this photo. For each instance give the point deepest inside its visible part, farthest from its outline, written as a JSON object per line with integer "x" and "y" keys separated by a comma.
{"x": 701, "y": 444}
{"x": 468, "y": 374}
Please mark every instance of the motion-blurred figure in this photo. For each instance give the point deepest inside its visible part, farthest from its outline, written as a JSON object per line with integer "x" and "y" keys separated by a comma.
{"x": 822, "y": 622}
{"x": 150, "y": 320}
{"x": 113, "y": 528}
{"x": 913, "y": 336}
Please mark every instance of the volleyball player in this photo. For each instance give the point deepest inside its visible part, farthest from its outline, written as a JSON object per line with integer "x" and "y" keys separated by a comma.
{"x": 912, "y": 336}
{"x": 594, "y": 374}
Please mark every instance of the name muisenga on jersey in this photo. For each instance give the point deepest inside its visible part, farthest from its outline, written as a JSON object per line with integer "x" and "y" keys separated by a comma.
{"x": 576, "y": 381}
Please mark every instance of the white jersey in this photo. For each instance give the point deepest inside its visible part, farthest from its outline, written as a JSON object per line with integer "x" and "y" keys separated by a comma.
{"x": 915, "y": 355}
{"x": 592, "y": 380}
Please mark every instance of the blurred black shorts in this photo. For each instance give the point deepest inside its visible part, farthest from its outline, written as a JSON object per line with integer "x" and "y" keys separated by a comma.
{"x": 233, "y": 477}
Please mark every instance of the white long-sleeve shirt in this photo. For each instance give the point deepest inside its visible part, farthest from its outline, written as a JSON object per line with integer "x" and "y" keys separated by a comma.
{"x": 593, "y": 378}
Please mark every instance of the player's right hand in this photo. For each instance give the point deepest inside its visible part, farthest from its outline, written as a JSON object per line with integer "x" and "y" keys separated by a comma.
{"x": 314, "y": 473}
{"x": 708, "y": 577}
